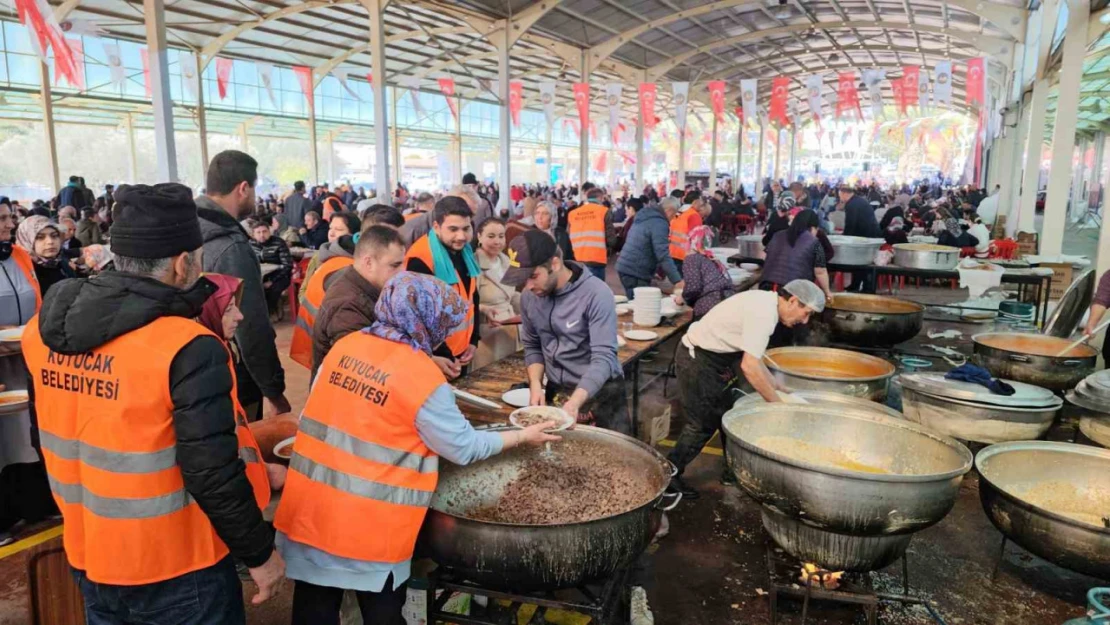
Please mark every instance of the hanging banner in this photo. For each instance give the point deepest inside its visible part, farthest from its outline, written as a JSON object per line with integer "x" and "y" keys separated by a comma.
{"x": 582, "y": 102}
{"x": 899, "y": 89}
{"x": 873, "y": 80}
{"x": 342, "y": 76}
{"x": 516, "y": 100}
{"x": 814, "y": 84}
{"x": 78, "y": 50}
{"x": 792, "y": 110}
{"x": 613, "y": 96}
{"x": 593, "y": 131}
{"x": 547, "y": 97}
{"x": 910, "y": 81}
{"x": 601, "y": 163}
{"x": 223, "y": 73}
{"x": 942, "y": 87}
{"x": 748, "y": 90}
{"x": 976, "y": 81}
{"x": 739, "y": 113}
{"x": 412, "y": 84}
{"x": 115, "y": 63}
{"x": 717, "y": 98}
{"x": 304, "y": 77}
{"x": 680, "y": 98}
{"x": 848, "y": 94}
{"x": 146, "y": 71}
{"x": 370, "y": 79}
{"x": 266, "y": 79}
{"x": 85, "y": 28}
{"x": 447, "y": 88}
{"x": 923, "y": 91}
{"x": 647, "y": 104}
{"x": 189, "y": 74}
{"x": 38, "y": 18}
{"x": 780, "y": 87}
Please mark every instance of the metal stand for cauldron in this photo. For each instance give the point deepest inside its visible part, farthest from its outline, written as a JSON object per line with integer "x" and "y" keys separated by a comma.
{"x": 854, "y": 590}
{"x": 609, "y": 605}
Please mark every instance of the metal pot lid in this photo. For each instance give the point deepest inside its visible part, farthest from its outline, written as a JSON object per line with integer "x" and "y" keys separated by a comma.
{"x": 847, "y": 241}
{"x": 1072, "y": 305}
{"x": 1086, "y": 403}
{"x": 1025, "y": 395}
{"x": 1098, "y": 383}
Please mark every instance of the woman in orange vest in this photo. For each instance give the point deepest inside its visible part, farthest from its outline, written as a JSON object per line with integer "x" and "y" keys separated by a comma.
{"x": 365, "y": 460}
{"x": 688, "y": 218}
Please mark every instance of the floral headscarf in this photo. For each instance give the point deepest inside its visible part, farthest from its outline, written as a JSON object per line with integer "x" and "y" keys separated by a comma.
{"x": 97, "y": 256}
{"x": 700, "y": 239}
{"x": 417, "y": 310}
{"x": 212, "y": 312}
{"x": 28, "y": 231}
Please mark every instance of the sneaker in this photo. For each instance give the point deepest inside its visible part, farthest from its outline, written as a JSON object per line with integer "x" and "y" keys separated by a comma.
{"x": 678, "y": 486}
{"x": 6, "y": 539}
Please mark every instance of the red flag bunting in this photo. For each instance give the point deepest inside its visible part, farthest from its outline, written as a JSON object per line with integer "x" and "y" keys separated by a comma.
{"x": 38, "y": 18}
{"x": 582, "y": 101}
{"x": 780, "y": 88}
{"x": 145, "y": 55}
{"x": 647, "y": 104}
{"x": 593, "y": 131}
{"x": 975, "y": 81}
{"x": 739, "y": 111}
{"x": 78, "y": 50}
{"x": 516, "y": 100}
{"x": 910, "y": 74}
{"x": 370, "y": 78}
{"x": 899, "y": 88}
{"x": 304, "y": 76}
{"x": 601, "y": 163}
{"x": 223, "y": 74}
{"x": 847, "y": 94}
{"x": 717, "y": 98}
{"x": 447, "y": 88}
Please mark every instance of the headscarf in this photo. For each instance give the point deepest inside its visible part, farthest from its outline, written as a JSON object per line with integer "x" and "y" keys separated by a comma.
{"x": 97, "y": 256}
{"x": 417, "y": 310}
{"x": 29, "y": 230}
{"x": 212, "y": 312}
{"x": 700, "y": 239}
{"x": 282, "y": 223}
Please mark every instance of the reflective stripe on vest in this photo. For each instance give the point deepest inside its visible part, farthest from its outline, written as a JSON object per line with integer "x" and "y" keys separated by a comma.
{"x": 27, "y": 266}
{"x": 586, "y": 227}
{"x": 357, "y": 486}
{"x": 114, "y": 461}
{"x": 312, "y": 298}
{"x": 367, "y": 450}
{"x": 679, "y": 239}
{"x": 119, "y": 508}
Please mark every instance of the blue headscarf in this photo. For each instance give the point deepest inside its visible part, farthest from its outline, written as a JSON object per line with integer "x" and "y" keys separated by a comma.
{"x": 417, "y": 310}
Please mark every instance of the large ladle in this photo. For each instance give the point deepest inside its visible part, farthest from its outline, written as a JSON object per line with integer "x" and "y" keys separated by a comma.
{"x": 1083, "y": 339}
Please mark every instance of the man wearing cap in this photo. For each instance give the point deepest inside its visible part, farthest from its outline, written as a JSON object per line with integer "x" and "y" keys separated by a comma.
{"x": 728, "y": 342}
{"x": 569, "y": 332}
{"x": 484, "y": 209}
{"x": 136, "y": 415}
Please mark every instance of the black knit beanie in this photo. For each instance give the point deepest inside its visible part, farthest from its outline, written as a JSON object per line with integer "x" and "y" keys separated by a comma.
{"x": 157, "y": 221}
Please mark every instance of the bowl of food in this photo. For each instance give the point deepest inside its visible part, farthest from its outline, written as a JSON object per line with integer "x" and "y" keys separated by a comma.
{"x": 527, "y": 417}
{"x": 13, "y": 401}
{"x": 283, "y": 451}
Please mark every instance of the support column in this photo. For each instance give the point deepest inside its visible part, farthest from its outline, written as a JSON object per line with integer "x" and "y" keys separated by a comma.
{"x": 739, "y": 158}
{"x": 395, "y": 142}
{"x": 1030, "y": 183}
{"x": 1102, "y": 260}
{"x": 547, "y": 159}
{"x": 132, "y": 155}
{"x": 1009, "y": 200}
{"x": 504, "y": 45}
{"x": 758, "y": 189}
{"x": 458, "y": 144}
{"x": 1063, "y": 136}
{"x": 381, "y": 117}
{"x": 48, "y": 126}
{"x": 202, "y": 119}
{"x": 680, "y": 180}
{"x": 154, "y": 15}
{"x": 640, "y": 151}
{"x": 330, "y": 145}
{"x": 713, "y": 157}
{"x": 778, "y": 152}
{"x": 793, "y": 149}
{"x": 313, "y": 146}
{"x": 244, "y": 137}
{"x": 584, "y": 131}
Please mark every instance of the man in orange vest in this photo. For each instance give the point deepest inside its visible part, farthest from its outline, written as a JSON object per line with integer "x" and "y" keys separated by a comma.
{"x": 136, "y": 415}
{"x": 445, "y": 253}
{"x": 592, "y": 234}
{"x": 365, "y": 460}
{"x": 687, "y": 219}
{"x": 312, "y": 297}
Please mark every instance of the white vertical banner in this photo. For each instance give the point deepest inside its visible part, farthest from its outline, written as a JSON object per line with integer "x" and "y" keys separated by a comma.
{"x": 792, "y": 109}
{"x": 266, "y": 79}
{"x": 814, "y": 84}
{"x": 923, "y": 90}
{"x": 189, "y": 75}
{"x": 942, "y": 88}
{"x": 681, "y": 91}
{"x": 873, "y": 80}
{"x": 748, "y": 91}
{"x": 341, "y": 75}
{"x": 412, "y": 83}
{"x": 547, "y": 97}
{"x": 115, "y": 63}
{"x": 613, "y": 91}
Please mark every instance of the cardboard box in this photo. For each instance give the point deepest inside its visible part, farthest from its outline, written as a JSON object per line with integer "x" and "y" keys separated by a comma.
{"x": 1061, "y": 278}
{"x": 999, "y": 230}
{"x": 1027, "y": 243}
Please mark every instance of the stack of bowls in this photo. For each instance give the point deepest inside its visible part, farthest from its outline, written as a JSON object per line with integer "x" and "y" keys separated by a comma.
{"x": 1092, "y": 394}
{"x": 647, "y": 306}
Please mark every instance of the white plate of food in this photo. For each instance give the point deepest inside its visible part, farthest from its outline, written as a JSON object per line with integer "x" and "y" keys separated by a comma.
{"x": 12, "y": 335}
{"x": 13, "y": 401}
{"x": 284, "y": 449}
{"x": 624, "y": 309}
{"x": 525, "y": 417}
{"x": 640, "y": 335}
{"x": 517, "y": 397}
{"x": 474, "y": 400}
{"x": 620, "y": 299}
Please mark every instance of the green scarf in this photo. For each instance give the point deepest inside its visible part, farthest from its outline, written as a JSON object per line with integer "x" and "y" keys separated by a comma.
{"x": 442, "y": 265}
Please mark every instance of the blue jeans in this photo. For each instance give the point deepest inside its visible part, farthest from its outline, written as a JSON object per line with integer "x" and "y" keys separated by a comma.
{"x": 211, "y": 596}
{"x": 598, "y": 271}
{"x": 631, "y": 282}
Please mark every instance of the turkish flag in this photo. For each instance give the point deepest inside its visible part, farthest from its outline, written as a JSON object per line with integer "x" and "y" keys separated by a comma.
{"x": 223, "y": 73}
{"x": 847, "y": 95}
{"x": 899, "y": 88}
{"x": 780, "y": 88}
{"x": 582, "y": 101}
{"x": 739, "y": 114}
{"x": 717, "y": 98}
{"x": 78, "y": 50}
{"x": 647, "y": 104}
{"x": 601, "y": 163}
{"x": 304, "y": 76}
{"x": 910, "y": 76}
{"x": 38, "y": 18}
{"x": 370, "y": 78}
{"x": 447, "y": 88}
{"x": 976, "y": 69}
{"x": 516, "y": 100}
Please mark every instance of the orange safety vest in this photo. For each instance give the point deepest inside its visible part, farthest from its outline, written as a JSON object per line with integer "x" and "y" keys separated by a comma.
{"x": 106, "y": 425}
{"x": 27, "y": 266}
{"x": 249, "y": 451}
{"x": 300, "y": 349}
{"x": 361, "y": 479}
{"x": 680, "y": 233}
{"x": 459, "y": 338}
{"x": 587, "y": 233}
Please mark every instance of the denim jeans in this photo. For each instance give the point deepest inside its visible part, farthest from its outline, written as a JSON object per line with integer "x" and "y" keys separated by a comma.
{"x": 598, "y": 271}
{"x": 631, "y": 282}
{"x": 211, "y": 596}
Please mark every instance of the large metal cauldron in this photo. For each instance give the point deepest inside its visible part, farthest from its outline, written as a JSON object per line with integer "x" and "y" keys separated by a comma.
{"x": 823, "y": 498}
{"x": 537, "y": 557}
{"x": 866, "y": 320}
{"x": 1031, "y": 358}
{"x": 833, "y": 370}
{"x": 825, "y": 398}
{"x": 1066, "y": 478}
{"x": 858, "y": 251}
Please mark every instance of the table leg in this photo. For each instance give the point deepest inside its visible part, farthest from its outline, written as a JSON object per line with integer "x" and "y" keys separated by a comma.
{"x": 636, "y": 399}
{"x": 1046, "y": 291}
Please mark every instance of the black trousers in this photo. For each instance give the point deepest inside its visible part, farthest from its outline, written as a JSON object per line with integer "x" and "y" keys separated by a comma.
{"x": 319, "y": 605}
{"x": 609, "y": 407}
{"x": 703, "y": 382}
{"x": 25, "y": 494}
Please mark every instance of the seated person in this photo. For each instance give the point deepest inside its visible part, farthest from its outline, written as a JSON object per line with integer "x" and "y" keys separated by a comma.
{"x": 272, "y": 251}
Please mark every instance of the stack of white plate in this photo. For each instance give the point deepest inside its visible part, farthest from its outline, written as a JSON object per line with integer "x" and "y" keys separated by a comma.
{"x": 647, "y": 305}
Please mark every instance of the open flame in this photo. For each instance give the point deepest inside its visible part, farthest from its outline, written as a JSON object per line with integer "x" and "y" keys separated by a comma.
{"x": 813, "y": 575}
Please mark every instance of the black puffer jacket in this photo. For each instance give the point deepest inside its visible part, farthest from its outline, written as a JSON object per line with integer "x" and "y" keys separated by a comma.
{"x": 80, "y": 315}
{"x": 274, "y": 252}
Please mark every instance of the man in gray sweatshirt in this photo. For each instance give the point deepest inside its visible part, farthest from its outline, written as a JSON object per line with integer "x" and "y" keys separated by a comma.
{"x": 569, "y": 332}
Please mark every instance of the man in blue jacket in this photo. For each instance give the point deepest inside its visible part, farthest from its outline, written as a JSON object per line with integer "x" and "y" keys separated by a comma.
{"x": 648, "y": 247}
{"x": 569, "y": 332}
